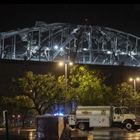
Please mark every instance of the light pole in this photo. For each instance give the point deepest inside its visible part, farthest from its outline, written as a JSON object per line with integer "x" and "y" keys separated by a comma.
{"x": 66, "y": 77}
{"x": 134, "y": 82}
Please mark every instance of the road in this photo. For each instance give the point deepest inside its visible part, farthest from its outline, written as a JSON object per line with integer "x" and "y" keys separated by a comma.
{"x": 18, "y": 134}
{"x": 108, "y": 134}
{"x": 115, "y": 134}
{"x": 97, "y": 133}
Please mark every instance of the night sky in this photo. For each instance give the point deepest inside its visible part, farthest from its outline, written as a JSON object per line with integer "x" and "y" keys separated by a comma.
{"x": 124, "y": 17}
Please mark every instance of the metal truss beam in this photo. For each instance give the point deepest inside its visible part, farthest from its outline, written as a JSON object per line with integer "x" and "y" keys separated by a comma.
{"x": 67, "y": 42}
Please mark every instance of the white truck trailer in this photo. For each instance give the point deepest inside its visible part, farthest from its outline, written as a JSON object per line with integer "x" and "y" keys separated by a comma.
{"x": 87, "y": 117}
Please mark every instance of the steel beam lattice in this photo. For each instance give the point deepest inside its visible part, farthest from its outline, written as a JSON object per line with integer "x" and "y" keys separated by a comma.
{"x": 84, "y": 44}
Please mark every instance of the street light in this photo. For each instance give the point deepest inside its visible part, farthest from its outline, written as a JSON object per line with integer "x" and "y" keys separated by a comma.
{"x": 66, "y": 75}
{"x": 134, "y": 80}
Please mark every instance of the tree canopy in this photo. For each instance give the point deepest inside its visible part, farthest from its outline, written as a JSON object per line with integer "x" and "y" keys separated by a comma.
{"x": 90, "y": 89}
{"x": 44, "y": 91}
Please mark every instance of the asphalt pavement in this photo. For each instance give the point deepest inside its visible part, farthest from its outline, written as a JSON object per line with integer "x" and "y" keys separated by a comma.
{"x": 18, "y": 134}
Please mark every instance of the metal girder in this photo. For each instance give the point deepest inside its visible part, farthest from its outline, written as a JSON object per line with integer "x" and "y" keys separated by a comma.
{"x": 67, "y": 42}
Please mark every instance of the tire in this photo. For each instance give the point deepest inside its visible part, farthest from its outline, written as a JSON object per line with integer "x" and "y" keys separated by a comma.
{"x": 135, "y": 127}
{"x": 129, "y": 126}
{"x": 81, "y": 126}
{"x": 72, "y": 126}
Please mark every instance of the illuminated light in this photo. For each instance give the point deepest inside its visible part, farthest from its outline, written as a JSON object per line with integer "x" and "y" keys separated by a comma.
{"x": 131, "y": 79}
{"x": 61, "y": 63}
{"x": 109, "y": 52}
{"x": 59, "y": 114}
{"x": 70, "y": 63}
{"x": 47, "y": 49}
{"x": 138, "y": 79}
{"x": 135, "y": 80}
{"x": 86, "y": 19}
{"x": 61, "y": 49}
{"x": 85, "y": 49}
{"x": 89, "y": 33}
{"x": 55, "y": 47}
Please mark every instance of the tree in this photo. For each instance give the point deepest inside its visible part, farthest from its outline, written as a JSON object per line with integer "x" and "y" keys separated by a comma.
{"x": 20, "y": 105}
{"x": 124, "y": 94}
{"x": 68, "y": 92}
{"x": 43, "y": 91}
{"x": 90, "y": 89}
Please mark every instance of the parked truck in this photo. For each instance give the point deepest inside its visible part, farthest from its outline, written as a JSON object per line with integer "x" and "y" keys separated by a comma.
{"x": 89, "y": 117}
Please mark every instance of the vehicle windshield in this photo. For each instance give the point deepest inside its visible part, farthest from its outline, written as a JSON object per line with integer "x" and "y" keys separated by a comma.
{"x": 126, "y": 110}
